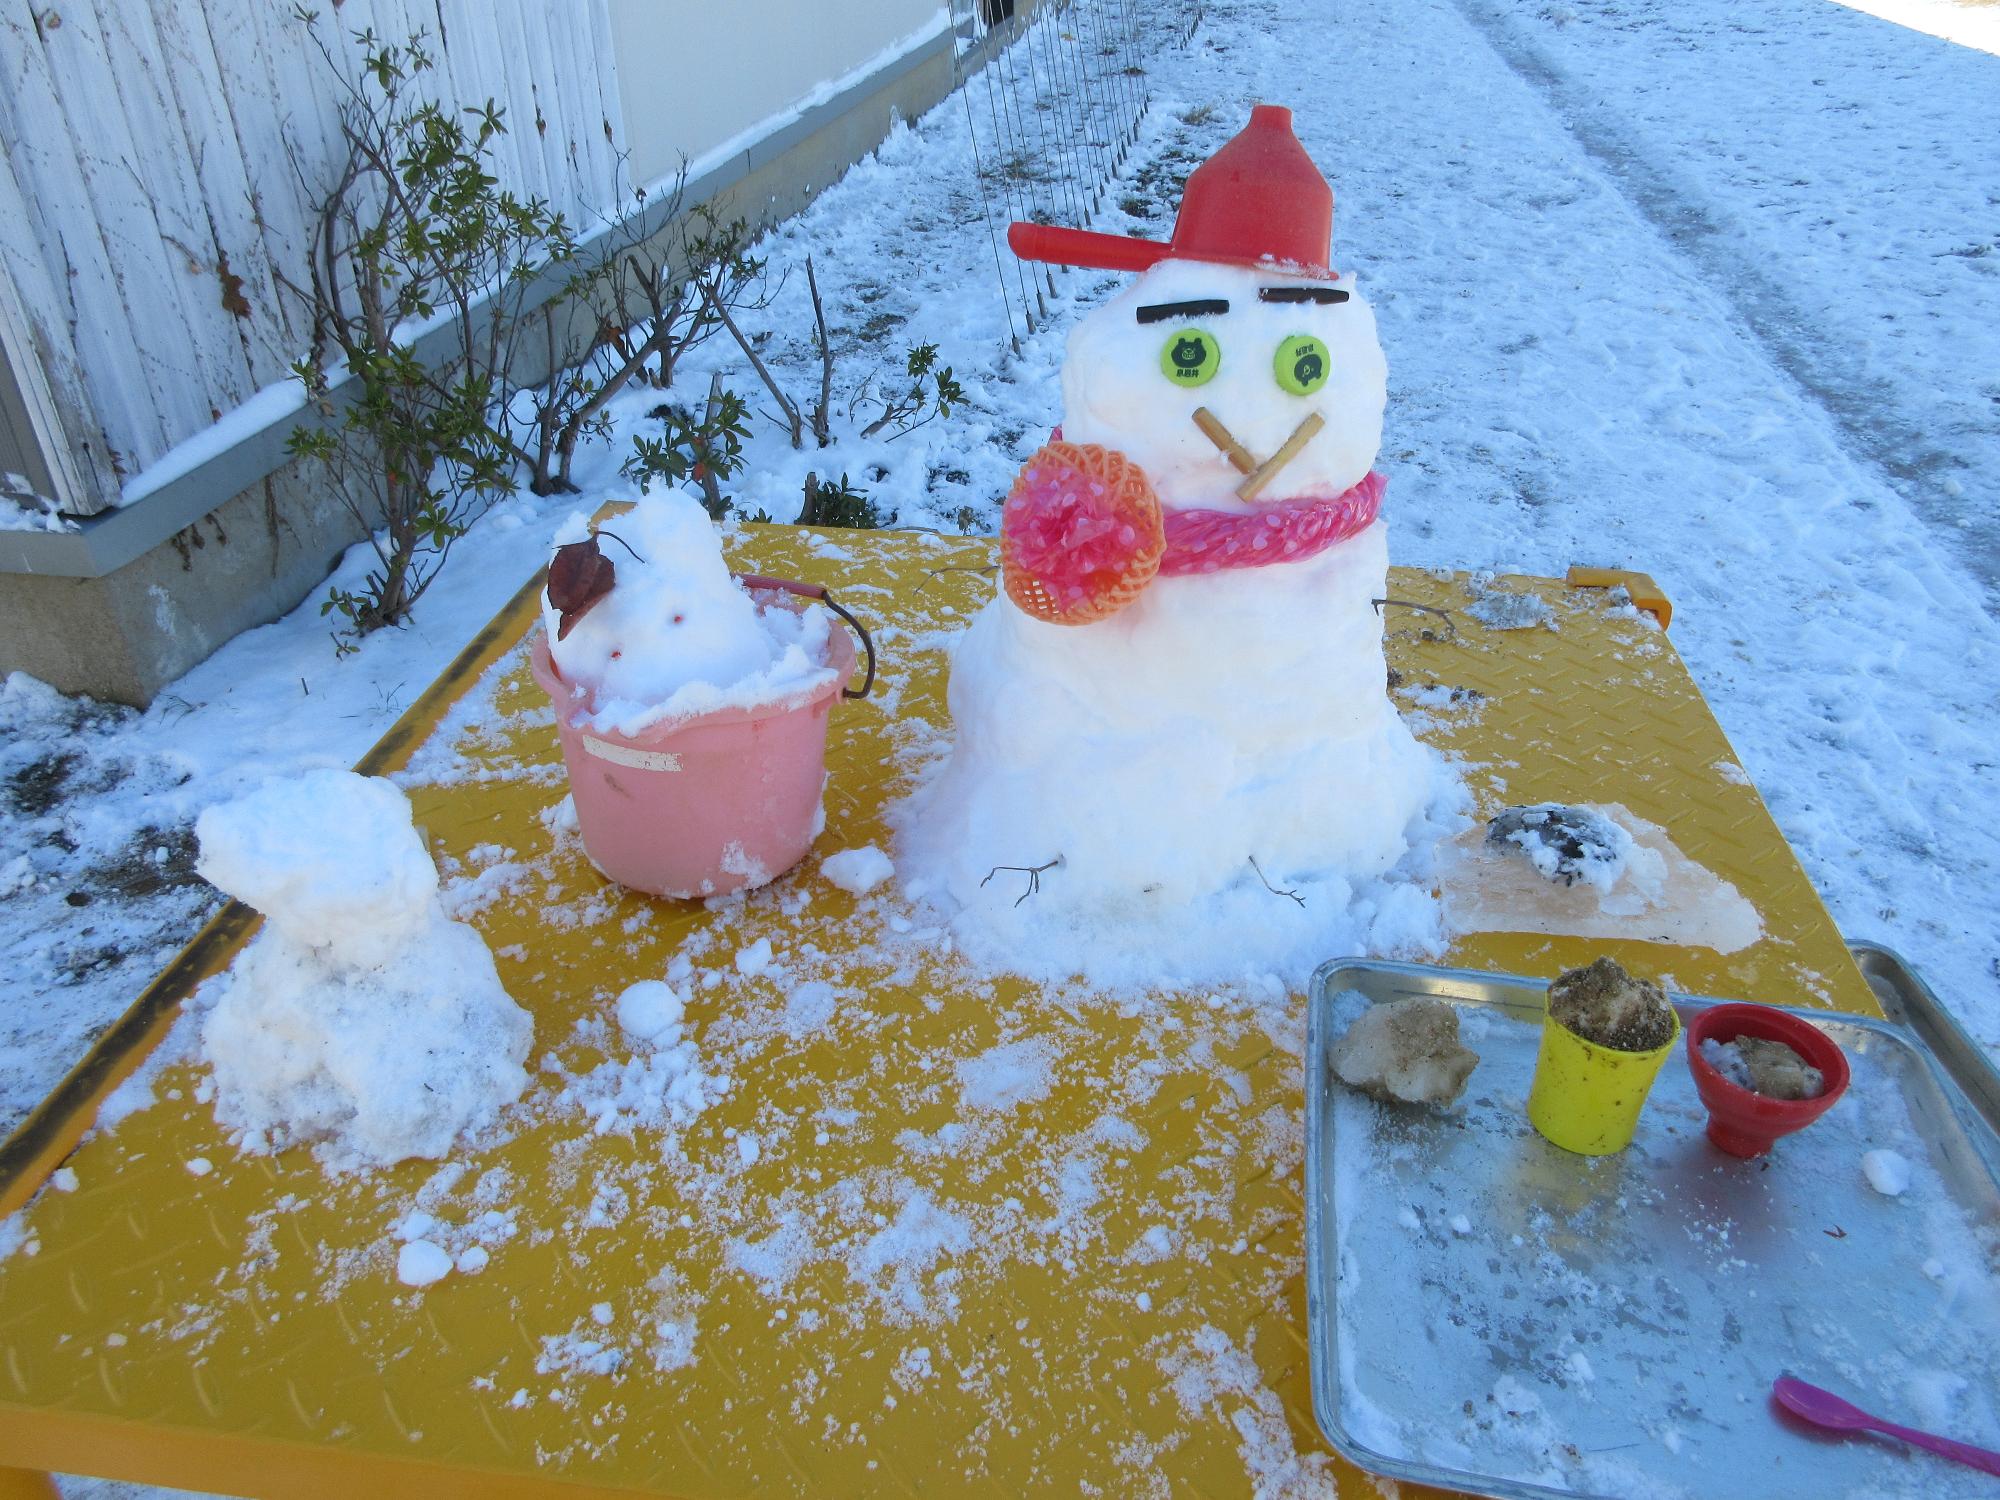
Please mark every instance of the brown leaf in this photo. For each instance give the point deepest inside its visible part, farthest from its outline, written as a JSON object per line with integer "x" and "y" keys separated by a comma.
{"x": 579, "y": 576}
{"x": 233, "y": 300}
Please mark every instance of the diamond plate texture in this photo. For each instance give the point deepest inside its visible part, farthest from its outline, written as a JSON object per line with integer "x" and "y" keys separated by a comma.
{"x": 244, "y": 1330}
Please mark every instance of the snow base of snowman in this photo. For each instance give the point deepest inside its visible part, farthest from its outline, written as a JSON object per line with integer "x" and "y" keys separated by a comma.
{"x": 1209, "y": 785}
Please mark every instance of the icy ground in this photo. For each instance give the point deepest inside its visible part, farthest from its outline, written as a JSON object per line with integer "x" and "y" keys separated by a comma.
{"x": 1706, "y": 289}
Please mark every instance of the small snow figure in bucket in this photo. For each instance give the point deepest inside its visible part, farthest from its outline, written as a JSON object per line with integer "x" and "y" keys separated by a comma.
{"x": 691, "y": 703}
{"x": 1185, "y": 670}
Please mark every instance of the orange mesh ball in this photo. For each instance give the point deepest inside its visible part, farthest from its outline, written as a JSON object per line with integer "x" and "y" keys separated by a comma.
{"x": 1080, "y": 535}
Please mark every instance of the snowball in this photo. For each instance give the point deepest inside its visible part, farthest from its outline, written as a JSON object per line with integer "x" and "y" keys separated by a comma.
{"x": 1887, "y": 1172}
{"x": 858, "y": 870}
{"x": 330, "y": 858}
{"x": 361, "y": 1016}
{"x": 651, "y": 1012}
{"x": 421, "y": 1262}
{"x": 1406, "y": 1050}
{"x": 677, "y": 634}
{"x": 1765, "y": 1067}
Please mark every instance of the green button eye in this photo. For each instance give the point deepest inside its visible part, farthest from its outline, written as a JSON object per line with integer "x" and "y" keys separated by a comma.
{"x": 1191, "y": 356}
{"x": 1302, "y": 364}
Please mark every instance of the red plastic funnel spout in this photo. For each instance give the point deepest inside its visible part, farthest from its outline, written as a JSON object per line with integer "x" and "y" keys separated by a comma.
{"x": 1746, "y": 1124}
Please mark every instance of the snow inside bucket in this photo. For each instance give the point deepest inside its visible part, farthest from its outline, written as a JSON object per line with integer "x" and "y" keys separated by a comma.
{"x": 710, "y": 802}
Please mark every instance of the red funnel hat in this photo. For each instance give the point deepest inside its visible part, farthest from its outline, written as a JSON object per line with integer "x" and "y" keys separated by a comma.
{"x": 1259, "y": 201}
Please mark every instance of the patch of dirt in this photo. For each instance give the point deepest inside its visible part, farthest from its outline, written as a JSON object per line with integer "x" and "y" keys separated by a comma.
{"x": 39, "y": 786}
{"x": 157, "y": 859}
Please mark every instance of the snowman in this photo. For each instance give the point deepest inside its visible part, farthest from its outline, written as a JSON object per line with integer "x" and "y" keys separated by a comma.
{"x": 1180, "y": 687}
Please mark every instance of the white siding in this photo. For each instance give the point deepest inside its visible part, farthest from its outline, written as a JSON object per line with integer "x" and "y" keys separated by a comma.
{"x": 149, "y": 143}
{"x": 695, "y": 74}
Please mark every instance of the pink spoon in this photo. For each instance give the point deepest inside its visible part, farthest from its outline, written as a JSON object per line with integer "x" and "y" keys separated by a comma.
{"x": 1824, "y": 1409}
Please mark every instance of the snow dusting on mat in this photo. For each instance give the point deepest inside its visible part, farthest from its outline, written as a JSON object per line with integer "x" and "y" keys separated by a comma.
{"x": 1642, "y": 361}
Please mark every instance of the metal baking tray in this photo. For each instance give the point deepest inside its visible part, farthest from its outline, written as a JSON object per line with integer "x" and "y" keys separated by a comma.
{"x": 1494, "y": 1315}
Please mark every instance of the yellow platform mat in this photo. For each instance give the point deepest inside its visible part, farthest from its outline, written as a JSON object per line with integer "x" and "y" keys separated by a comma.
{"x": 849, "y": 1275}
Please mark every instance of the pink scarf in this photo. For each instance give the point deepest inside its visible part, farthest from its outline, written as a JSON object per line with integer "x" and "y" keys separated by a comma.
{"x": 1211, "y": 541}
{"x": 1082, "y": 533}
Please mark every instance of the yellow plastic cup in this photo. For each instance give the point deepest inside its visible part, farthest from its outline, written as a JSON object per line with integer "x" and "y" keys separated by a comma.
{"x": 1587, "y": 1098}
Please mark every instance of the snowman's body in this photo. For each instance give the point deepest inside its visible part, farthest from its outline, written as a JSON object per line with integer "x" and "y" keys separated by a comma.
{"x": 1221, "y": 716}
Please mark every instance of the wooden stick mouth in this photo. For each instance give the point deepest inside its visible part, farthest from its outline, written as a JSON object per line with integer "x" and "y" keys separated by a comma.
{"x": 1304, "y": 433}
{"x": 1212, "y": 429}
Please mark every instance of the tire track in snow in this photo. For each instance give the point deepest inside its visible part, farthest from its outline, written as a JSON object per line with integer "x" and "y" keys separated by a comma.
{"x": 1862, "y": 408}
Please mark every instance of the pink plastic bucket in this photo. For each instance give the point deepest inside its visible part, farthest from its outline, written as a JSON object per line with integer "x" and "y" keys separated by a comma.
{"x": 719, "y": 802}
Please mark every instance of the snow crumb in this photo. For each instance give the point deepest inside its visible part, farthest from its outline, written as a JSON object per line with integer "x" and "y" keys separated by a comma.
{"x": 858, "y": 870}
{"x": 1498, "y": 609}
{"x": 808, "y": 1008}
{"x": 755, "y": 959}
{"x": 650, "y": 1012}
{"x": 1210, "y": 1373}
{"x": 1461, "y": 1225}
{"x": 664, "y": 1088}
{"x": 63, "y": 1179}
{"x": 199, "y": 1166}
{"x": 673, "y": 1344}
{"x": 893, "y": 1261}
{"x": 1005, "y": 1076}
{"x": 16, "y": 1237}
{"x": 472, "y": 1260}
{"x": 574, "y": 1354}
{"x": 748, "y": 1149}
{"x": 600, "y": 1314}
{"x": 420, "y": 1262}
{"x": 1887, "y": 1171}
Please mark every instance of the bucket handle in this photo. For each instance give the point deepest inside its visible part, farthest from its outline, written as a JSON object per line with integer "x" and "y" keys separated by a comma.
{"x": 820, "y": 594}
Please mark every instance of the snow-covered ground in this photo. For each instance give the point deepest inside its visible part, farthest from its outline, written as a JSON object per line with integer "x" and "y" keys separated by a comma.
{"x": 1707, "y": 289}
{"x": 1702, "y": 289}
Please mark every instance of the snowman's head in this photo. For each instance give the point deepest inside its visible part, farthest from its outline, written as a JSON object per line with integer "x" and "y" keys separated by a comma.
{"x": 1260, "y": 350}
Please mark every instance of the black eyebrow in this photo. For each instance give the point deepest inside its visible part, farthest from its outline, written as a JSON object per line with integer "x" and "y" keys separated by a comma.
{"x": 1324, "y": 295}
{"x": 1208, "y": 307}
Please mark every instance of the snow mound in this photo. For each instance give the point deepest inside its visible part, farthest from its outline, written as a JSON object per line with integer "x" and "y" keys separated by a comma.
{"x": 328, "y": 857}
{"x": 677, "y": 635}
{"x": 362, "y": 1017}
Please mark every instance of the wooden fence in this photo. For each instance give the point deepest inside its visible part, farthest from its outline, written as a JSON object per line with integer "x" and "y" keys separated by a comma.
{"x": 161, "y": 163}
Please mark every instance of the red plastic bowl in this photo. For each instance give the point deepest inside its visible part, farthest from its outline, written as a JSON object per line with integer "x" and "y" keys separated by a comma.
{"x": 1740, "y": 1122}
